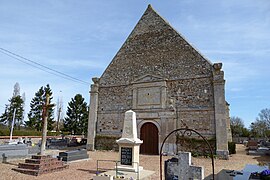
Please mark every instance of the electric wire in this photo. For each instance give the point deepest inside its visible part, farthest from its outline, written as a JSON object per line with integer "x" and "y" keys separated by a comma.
{"x": 40, "y": 66}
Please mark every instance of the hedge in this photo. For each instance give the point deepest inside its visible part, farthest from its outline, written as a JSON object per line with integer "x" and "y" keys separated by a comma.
{"x": 232, "y": 147}
{"x": 25, "y": 132}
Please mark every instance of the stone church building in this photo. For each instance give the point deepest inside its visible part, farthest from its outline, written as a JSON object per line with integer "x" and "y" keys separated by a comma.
{"x": 167, "y": 82}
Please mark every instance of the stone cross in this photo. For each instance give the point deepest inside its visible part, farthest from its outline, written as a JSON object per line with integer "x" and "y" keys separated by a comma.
{"x": 182, "y": 168}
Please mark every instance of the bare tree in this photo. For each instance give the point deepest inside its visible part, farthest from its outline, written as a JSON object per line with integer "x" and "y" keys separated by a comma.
{"x": 264, "y": 116}
{"x": 261, "y": 127}
{"x": 237, "y": 126}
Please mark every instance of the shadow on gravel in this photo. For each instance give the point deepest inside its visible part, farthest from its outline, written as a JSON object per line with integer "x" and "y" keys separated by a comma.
{"x": 9, "y": 163}
{"x": 263, "y": 160}
{"x": 88, "y": 170}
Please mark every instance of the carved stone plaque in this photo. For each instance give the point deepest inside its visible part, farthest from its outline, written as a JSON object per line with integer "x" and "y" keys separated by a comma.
{"x": 149, "y": 96}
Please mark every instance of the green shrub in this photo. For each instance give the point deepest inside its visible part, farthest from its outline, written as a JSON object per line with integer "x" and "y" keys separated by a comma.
{"x": 232, "y": 147}
{"x": 27, "y": 132}
{"x": 197, "y": 146}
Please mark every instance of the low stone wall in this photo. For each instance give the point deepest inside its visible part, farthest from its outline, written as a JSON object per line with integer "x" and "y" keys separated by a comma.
{"x": 106, "y": 143}
{"x": 197, "y": 147}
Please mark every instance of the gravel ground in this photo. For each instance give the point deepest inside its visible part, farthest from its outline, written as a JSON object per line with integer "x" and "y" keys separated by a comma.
{"x": 86, "y": 169}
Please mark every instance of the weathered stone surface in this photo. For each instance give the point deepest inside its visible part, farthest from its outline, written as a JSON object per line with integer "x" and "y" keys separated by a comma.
{"x": 166, "y": 81}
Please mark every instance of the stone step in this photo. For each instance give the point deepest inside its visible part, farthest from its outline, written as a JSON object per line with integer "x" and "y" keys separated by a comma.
{"x": 40, "y": 161}
{"x": 39, "y": 172}
{"x": 41, "y": 157}
{"x": 29, "y": 166}
{"x": 40, "y": 166}
{"x": 27, "y": 171}
{"x": 33, "y": 161}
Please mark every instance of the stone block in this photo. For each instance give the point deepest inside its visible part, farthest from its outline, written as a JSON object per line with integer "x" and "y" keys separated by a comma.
{"x": 73, "y": 155}
{"x": 103, "y": 178}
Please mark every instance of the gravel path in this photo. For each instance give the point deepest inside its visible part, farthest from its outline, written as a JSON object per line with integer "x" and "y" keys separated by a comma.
{"x": 86, "y": 169}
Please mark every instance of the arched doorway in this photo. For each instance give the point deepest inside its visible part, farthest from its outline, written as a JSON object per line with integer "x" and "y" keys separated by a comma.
{"x": 149, "y": 135}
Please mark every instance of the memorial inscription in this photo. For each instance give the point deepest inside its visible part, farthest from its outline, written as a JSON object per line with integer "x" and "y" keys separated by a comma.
{"x": 126, "y": 156}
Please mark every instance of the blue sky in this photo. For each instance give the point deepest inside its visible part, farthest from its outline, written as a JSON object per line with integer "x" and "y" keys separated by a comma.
{"x": 80, "y": 38}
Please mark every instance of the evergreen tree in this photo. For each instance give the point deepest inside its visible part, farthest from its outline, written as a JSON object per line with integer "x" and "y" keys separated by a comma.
{"x": 77, "y": 116}
{"x": 16, "y": 104}
{"x": 36, "y": 106}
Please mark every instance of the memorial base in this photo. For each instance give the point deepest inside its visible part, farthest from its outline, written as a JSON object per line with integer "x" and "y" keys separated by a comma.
{"x": 129, "y": 168}
{"x": 125, "y": 175}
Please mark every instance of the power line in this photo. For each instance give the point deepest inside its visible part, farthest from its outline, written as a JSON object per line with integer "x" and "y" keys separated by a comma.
{"x": 40, "y": 66}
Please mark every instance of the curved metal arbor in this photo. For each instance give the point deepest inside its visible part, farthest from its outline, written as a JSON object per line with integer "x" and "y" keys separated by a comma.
{"x": 187, "y": 132}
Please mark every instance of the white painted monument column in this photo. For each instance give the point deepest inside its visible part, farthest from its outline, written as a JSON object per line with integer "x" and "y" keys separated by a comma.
{"x": 220, "y": 112}
{"x": 129, "y": 144}
{"x": 92, "y": 118}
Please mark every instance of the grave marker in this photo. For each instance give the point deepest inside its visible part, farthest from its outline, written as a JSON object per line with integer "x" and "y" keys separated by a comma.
{"x": 180, "y": 168}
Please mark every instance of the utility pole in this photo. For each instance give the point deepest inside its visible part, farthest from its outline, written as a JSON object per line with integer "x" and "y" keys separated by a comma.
{"x": 45, "y": 122}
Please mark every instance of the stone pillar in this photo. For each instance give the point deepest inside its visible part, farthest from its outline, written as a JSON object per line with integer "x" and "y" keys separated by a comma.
{"x": 228, "y": 122}
{"x": 168, "y": 124}
{"x": 92, "y": 118}
{"x": 220, "y": 112}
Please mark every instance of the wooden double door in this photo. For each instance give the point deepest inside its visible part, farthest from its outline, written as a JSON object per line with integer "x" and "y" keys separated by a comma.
{"x": 149, "y": 135}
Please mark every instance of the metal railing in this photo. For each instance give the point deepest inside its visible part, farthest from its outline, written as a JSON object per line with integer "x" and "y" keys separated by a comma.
{"x": 117, "y": 171}
{"x": 186, "y": 132}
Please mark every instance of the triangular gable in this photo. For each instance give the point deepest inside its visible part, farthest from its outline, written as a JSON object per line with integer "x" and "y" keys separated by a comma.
{"x": 145, "y": 51}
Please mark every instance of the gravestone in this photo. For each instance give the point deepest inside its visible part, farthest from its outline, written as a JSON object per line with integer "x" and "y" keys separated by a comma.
{"x": 129, "y": 144}
{"x": 252, "y": 145}
{"x": 13, "y": 151}
{"x": 73, "y": 155}
{"x": 180, "y": 168}
{"x": 56, "y": 143}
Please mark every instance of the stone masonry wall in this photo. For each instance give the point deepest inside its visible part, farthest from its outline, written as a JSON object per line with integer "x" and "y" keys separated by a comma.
{"x": 192, "y": 93}
{"x": 154, "y": 47}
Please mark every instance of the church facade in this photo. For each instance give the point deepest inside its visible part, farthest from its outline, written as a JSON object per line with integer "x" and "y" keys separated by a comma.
{"x": 167, "y": 82}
